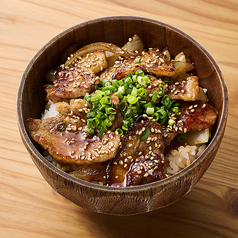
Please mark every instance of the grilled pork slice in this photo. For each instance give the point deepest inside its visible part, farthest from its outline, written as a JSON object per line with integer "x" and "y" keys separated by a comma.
{"x": 64, "y": 137}
{"x": 153, "y": 62}
{"x": 138, "y": 161}
{"x": 78, "y": 79}
{"x": 186, "y": 90}
{"x": 194, "y": 116}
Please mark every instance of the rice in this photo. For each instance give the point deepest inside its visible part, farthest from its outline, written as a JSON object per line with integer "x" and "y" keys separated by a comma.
{"x": 50, "y": 110}
{"x": 182, "y": 157}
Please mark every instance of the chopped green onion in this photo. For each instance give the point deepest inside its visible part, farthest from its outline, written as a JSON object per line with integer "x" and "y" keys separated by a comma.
{"x": 115, "y": 83}
{"x": 87, "y": 97}
{"x": 101, "y": 131}
{"x": 134, "y": 78}
{"x": 134, "y": 91}
{"x": 161, "y": 89}
{"x": 139, "y": 72}
{"x": 166, "y": 80}
{"x": 106, "y": 100}
{"x": 110, "y": 110}
{"x": 128, "y": 80}
{"x": 99, "y": 85}
{"x": 122, "y": 106}
{"x": 129, "y": 90}
{"x": 156, "y": 116}
{"x": 141, "y": 92}
{"x": 107, "y": 122}
{"x": 109, "y": 88}
{"x": 119, "y": 131}
{"x": 162, "y": 112}
{"x": 150, "y": 111}
{"x": 137, "y": 60}
{"x": 132, "y": 99}
{"x": 147, "y": 80}
{"x": 145, "y": 134}
{"x": 182, "y": 138}
{"x": 154, "y": 97}
{"x": 129, "y": 113}
{"x": 166, "y": 101}
{"x": 171, "y": 122}
{"x": 143, "y": 80}
{"x": 175, "y": 110}
{"x": 60, "y": 126}
{"x": 90, "y": 131}
{"x": 121, "y": 89}
{"x": 91, "y": 114}
{"x": 149, "y": 104}
{"x": 111, "y": 117}
{"x": 106, "y": 82}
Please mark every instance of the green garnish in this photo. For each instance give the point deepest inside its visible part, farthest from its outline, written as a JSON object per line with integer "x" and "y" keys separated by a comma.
{"x": 145, "y": 134}
{"x": 60, "y": 126}
{"x": 137, "y": 60}
{"x": 166, "y": 80}
{"x": 182, "y": 138}
{"x": 130, "y": 90}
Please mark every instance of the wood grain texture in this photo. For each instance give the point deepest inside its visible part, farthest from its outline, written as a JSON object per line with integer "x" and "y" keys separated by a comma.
{"x": 30, "y": 208}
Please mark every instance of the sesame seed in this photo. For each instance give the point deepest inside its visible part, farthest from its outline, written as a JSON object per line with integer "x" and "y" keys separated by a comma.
{"x": 146, "y": 175}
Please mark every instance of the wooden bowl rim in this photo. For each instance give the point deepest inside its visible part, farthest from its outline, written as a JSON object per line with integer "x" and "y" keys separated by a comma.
{"x": 208, "y": 151}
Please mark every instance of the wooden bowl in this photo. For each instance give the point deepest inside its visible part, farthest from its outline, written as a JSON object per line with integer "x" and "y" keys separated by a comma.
{"x": 117, "y": 30}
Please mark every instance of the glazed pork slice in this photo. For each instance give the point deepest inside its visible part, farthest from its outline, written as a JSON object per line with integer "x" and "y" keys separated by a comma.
{"x": 187, "y": 90}
{"x": 153, "y": 62}
{"x": 76, "y": 80}
{"x": 64, "y": 137}
{"x": 137, "y": 161}
{"x": 196, "y": 116}
{"x": 193, "y": 116}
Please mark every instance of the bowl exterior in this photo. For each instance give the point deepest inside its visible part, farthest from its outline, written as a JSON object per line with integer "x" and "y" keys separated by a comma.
{"x": 117, "y": 30}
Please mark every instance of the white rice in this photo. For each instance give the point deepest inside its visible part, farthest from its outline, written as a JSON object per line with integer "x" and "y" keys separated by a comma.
{"x": 182, "y": 157}
{"x": 50, "y": 110}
